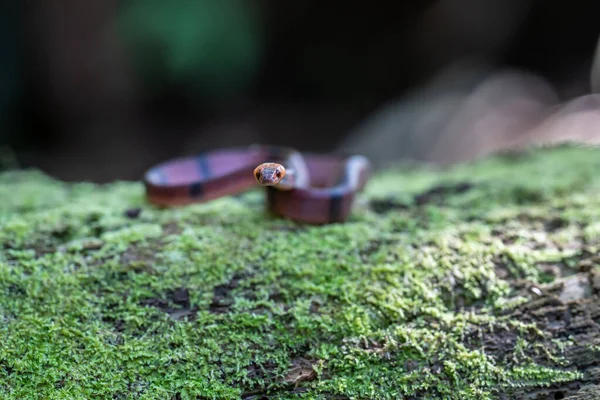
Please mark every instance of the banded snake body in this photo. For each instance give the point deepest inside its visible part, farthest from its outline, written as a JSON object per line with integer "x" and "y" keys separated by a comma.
{"x": 305, "y": 187}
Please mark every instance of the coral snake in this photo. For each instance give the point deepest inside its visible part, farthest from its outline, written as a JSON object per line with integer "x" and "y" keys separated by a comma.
{"x": 305, "y": 187}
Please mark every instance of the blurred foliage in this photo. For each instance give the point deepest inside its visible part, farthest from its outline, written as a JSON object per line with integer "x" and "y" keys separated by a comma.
{"x": 9, "y": 67}
{"x": 211, "y": 46}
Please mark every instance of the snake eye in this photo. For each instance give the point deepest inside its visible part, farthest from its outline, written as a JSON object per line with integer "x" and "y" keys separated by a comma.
{"x": 258, "y": 173}
{"x": 278, "y": 173}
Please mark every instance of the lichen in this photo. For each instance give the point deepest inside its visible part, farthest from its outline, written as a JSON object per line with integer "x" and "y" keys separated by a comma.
{"x": 105, "y": 296}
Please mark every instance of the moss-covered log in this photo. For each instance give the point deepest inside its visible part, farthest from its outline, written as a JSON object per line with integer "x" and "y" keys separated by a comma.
{"x": 479, "y": 282}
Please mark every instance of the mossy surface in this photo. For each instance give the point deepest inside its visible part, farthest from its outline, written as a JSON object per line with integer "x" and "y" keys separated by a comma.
{"x": 443, "y": 284}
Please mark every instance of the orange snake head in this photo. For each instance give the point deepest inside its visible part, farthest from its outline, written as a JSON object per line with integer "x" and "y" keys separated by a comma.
{"x": 269, "y": 174}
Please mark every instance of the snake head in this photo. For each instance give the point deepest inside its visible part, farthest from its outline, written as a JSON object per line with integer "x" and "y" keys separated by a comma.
{"x": 269, "y": 174}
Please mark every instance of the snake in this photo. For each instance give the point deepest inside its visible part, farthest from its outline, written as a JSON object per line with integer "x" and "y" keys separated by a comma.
{"x": 314, "y": 188}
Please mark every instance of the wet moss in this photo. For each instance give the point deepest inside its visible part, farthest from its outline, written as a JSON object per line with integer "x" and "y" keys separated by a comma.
{"x": 423, "y": 293}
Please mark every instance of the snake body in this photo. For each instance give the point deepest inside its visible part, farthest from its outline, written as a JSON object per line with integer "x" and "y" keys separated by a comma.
{"x": 306, "y": 187}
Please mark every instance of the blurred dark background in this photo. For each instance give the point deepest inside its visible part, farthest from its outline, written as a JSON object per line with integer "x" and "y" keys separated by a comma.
{"x": 102, "y": 89}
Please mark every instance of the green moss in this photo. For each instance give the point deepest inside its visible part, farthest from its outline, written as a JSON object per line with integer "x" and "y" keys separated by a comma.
{"x": 221, "y": 299}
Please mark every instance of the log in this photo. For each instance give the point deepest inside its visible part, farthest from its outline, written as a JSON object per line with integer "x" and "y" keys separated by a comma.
{"x": 477, "y": 282}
